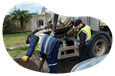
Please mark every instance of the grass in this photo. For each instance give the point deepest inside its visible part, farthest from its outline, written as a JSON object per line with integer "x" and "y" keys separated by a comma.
{"x": 17, "y": 52}
{"x": 18, "y": 39}
{"x": 15, "y": 39}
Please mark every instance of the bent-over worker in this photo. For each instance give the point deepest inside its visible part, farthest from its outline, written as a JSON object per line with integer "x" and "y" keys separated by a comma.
{"x": 47, "y": 46}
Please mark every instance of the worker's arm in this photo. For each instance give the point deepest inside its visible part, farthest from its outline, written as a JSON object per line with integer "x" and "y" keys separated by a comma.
{"x": 31, "y": 48}
{"x": 82, "y": 40}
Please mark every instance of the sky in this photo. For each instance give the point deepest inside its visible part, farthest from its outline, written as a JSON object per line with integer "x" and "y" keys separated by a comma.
{"x": 33, "y": 7}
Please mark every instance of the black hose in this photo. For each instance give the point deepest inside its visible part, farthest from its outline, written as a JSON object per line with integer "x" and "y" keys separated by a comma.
{"x": 31, "y": 34}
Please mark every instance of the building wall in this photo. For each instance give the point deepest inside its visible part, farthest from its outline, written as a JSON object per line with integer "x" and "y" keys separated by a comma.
{"x": 31, "y": 25}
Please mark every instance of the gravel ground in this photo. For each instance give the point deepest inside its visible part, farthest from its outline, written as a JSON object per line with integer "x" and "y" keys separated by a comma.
{"x": 65, "y": 65}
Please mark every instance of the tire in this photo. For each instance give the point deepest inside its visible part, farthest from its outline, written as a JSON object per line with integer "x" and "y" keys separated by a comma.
{"x": 99, "y": 46}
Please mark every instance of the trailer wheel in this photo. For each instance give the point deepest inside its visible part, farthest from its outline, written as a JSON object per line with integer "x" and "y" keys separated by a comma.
{"x": 99, "y": 46}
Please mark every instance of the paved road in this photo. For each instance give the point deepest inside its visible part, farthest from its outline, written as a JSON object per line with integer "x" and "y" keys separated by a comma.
{"x": 65, "y": 65}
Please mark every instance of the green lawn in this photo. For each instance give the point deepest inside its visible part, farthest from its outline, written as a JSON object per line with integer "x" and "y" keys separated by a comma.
{"x": 15, "y": 39}
{"x": 19, "y": 39}
{"x": 17, "y": 52}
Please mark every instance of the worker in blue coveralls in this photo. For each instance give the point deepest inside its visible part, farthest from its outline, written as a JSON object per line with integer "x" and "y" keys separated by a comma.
{"x": 47, "y": 46}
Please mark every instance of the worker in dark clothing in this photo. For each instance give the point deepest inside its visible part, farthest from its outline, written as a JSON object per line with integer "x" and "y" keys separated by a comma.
{"x": 47, "y": 46}
{"x": 83, "y": 39}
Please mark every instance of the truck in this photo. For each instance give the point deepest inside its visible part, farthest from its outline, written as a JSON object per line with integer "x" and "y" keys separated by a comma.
{"x": 62, "y": 28}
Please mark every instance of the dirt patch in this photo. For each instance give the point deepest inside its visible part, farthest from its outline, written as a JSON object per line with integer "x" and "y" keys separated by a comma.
{"x": 65, "y": 65}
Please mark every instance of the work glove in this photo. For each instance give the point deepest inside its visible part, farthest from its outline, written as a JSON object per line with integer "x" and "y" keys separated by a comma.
{"x": 41, "y": 59}
{"x": 25, "y": 58}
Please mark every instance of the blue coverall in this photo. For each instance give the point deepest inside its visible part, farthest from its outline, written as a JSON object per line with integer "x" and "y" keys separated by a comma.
{"x": 52, "y": 59}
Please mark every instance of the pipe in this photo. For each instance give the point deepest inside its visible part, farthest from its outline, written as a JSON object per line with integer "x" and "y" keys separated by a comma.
{"x": 55, "y": 22}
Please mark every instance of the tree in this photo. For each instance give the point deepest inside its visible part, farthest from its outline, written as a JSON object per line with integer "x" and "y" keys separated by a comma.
{"x": 7, "y": 24}
{"x": 21, "y": 16}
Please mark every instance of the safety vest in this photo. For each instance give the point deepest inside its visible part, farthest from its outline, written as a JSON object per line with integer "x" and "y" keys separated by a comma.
{"x": 41, "y": 36}
{"x": 39, "y": 45}
{"x": 87, "y": 31}
{"x": 45, "y": 43}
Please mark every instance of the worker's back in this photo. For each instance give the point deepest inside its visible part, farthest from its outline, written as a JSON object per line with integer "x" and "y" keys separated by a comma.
{"x": 46, "y": 43}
